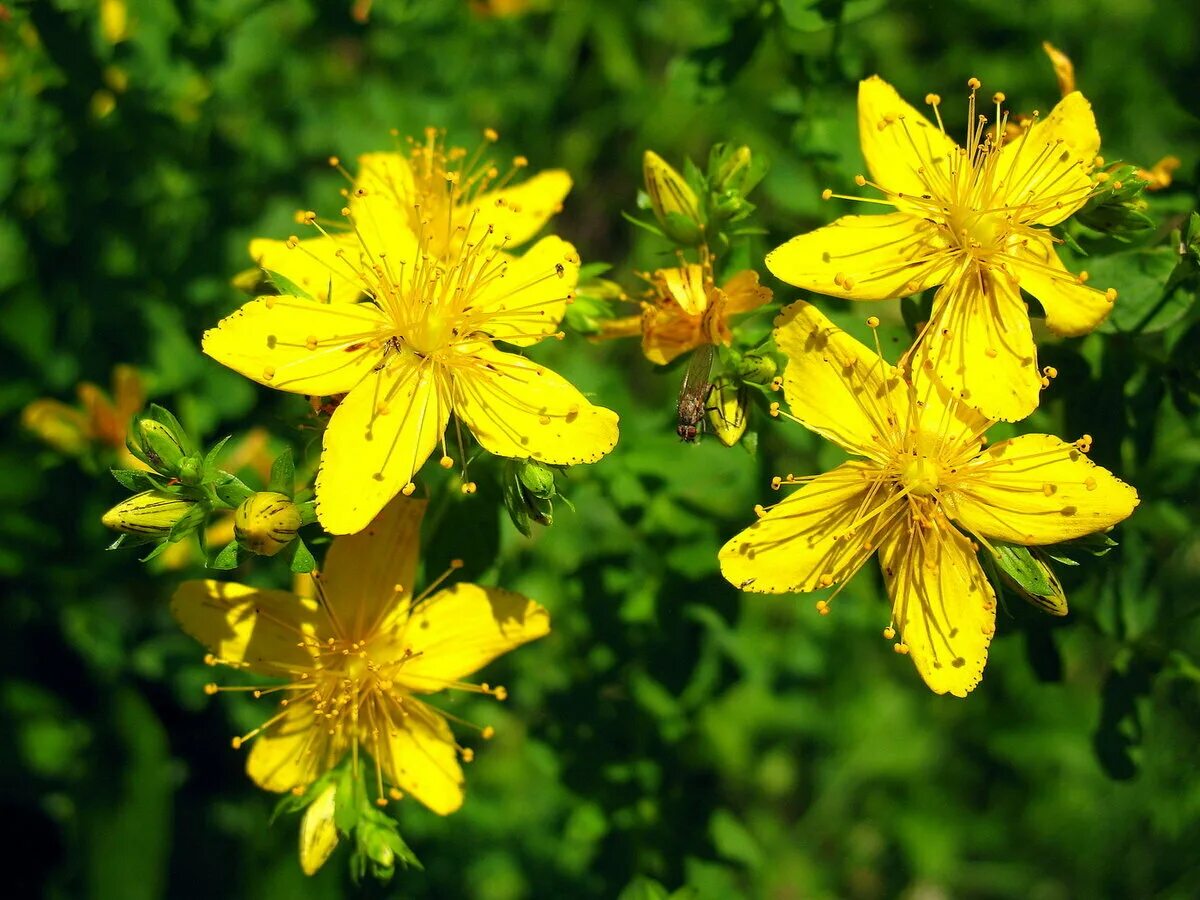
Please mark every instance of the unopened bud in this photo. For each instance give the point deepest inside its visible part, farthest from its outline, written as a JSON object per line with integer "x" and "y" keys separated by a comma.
{"x": 152, "y": 514}
{"x": 163, "y": 448}
{"x": 757, "y": 369}
{"x": 727, "y": 411}
{"x": 675, "y": 204}
{"x": 536, "y": 478}
{"x": 266, "y": 522}
{"x": 318, "y": 833}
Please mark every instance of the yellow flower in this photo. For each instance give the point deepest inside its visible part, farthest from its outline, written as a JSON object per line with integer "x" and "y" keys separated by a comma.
{"x": 98, "y": 421}
{"x": 686, "y": 309}
{"x": 357, "y": 661}
{"x": 440, "y": 193}
{"x": 921, "y": 486}
{"x": 420, "y": 347}
{"x": 972, "y": 220}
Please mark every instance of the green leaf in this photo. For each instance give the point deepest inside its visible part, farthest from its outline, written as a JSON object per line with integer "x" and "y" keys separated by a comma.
{"x": 302, "y": 559}
{"x": 1144, "y": 304}
{"x": 233, "y": 491}
{"x": 208, "y": 470}
{"x": 643, "y": 888}
{"x": 286, "y": 286}
{"x": 283, "y": 473}
{"x": 228, "y": 558}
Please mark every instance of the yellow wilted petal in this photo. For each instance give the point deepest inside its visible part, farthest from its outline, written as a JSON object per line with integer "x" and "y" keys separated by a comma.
{"x": 294, "y": 751}
{"x": 834, "y": 385}
{"x": 980, "y": 346}
{"x": 417, "y": 753}
{"x": 463, "y": 628}
{"x": 1048, "y": 168}
{"x": 865, "y": 257}
{"x": 519, "y": 409}
{"x": 1072, "y": 308}
{"x": 942, "y": 604}
{"x": 56, "y": 424}
{"x": 897, "y": 140}
{"x": 1037, "y": 489}
{"x": 377, "y": 439}
{"x": 240, "y": 624}
{"x": 318, "y": 833}
{"x": 299, "y": 345}
{"x": 526, "y": 304}
{"x": 313, "y": 265}
{"x": 367, "y": 575}
{"x": 520, "y": 211}
{"x": 668, "y": 333}
{"x": 743, "y": 293}
{"x": 686, "y": 286}
{"x": 1064, "y": 69}
{"x": 818, "y": 536}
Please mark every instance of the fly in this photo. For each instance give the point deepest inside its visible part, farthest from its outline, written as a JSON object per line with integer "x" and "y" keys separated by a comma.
{"x": 693, "y": 393}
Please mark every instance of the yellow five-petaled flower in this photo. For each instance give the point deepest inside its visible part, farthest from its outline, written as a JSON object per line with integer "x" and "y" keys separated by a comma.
{"x": 923, "y": 489}
{"x": 974, "y": 220}
{"x": 420, "y": 290}
{"x": 354, "y": 664}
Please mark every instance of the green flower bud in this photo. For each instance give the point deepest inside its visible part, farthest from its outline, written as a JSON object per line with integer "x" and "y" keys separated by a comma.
{"x": 675, "y": 204}
{"x": 318, "y": 833}
{"x": 727, "y": 411}
{"x": 757, "y": 369}
{"x": 537, "y": 478}
{"x": 190, "y": 468}
{"x": 155, "y": 514}
{"x": 1027, "y": 572}
{"x": 163, "y": 449}
{"x": 733, "y": 168}
{"x": 266, "y": 522}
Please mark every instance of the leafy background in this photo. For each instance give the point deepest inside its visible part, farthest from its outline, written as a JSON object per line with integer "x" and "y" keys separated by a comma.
{"x": 670, "y": 731}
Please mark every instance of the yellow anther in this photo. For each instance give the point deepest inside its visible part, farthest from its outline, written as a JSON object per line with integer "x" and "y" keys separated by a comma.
{"x": 408, "y": 489}
{"x": 823, "y": 607}
{"x": 490, "y": 134}
{"x": 311, "y": 342}
{"x": 860, "y": 180}
{"x": 1111, "y": 295}
{"x": 1089, "y": 483}
{"x": 1048, "y": 489}
{"x": 488, "y": 732}
{"x": 889, "y": 632}
{"x": 933, "y": 99}
{"x": 872, "y": 321}
{"x": 759, "y": 510}
{"x": 974, "y": 84}
{"x": 900, "y": 648}
{"x": 210, "y": 689}
{"x": 1082, "y": 277}
{"x": 998, "y": 97}
{"x": 334, "y": 161}
{"x": 268, "y": 373}
{"x": 825, "y": 580}
{"x": 446, "y": 462}
{"x": 774, "y": 410}
{"x": 776, "y": 482}
{"x": 827, "y": 194}
{"x": 520, "y": 162}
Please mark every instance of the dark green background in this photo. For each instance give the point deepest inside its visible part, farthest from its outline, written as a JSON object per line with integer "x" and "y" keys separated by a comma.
{"x": 668, "y": 728}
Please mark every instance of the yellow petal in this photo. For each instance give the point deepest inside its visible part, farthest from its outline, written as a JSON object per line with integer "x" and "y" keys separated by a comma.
{"x": 461, "y": 629}
{"x": 835, "y": 385}
{"x": 60, "y": 426}
{"x": 818, "y": 536}
{"x": 865, "y": 257}
{"x": 129, "y": 393}
{"x": 1046, "y": 172}
{"x": 1064, "y": 69}
{"x": 520, "y": 211}
{"x": 417, "y": 754}
{"x": 294, "y": 751}
{"x": 980, "y": 346}
{"x": 669, "y": 332}
{"x": 685, "y": 285}
{"x": 368, "y": 573}
{"x": 385, "y": 175}
{"x": 519, "y": 409}
{"x": 377, "y": 439}
{"x": 943, "y": 419}
{"x": 744, "y": 294}
{"x": 242, "y": 624}
{"x": 528, "y": 301}
{"x": 318, "y": 833}
{"x": 897, "y": 141}
{"x": 313, "y": 265}
{"x": 1037, "y": 489}
{"x": 298, "y": 345}
{"x": 942, "y": 604}
{"x": 1072, "y": 308}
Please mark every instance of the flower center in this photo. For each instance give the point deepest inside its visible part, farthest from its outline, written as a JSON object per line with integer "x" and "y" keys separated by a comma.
{"x": 920, "y": 476}
{"x": 433, "y": 332}
{"x": 979, "y": 233}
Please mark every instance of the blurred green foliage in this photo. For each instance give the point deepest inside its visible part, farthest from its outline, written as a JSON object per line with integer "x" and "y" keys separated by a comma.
{"x": 671, "y": 734}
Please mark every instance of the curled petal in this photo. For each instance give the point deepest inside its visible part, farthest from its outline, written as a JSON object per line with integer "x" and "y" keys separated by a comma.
{"x": 865, "y": 257}
{"x": 942, "y": 604}
{"x": 1037, "y": 489}
{"x": 817, "y": 537}
{"x": 298, "y": 345}
{"x": 377, "y": 439}
{"x": 980, "y": 347}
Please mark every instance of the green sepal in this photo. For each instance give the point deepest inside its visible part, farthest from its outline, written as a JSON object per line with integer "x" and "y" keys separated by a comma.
{"x": 1030, "y": 576}
{"x": 1069, "y": 552}
{"x": 514, "y": 500}
{"x": 137, "y": 481}
{"x": 208, "y": 469}
{"x": 283, "y": 473}
{"x": 228, "y": 558}
{"x": 194, "y": 518}
{"x": 286, "y": 286}
{"x": 233, "y": 491}
{"x": 302, "y": 559}
{"x": 159, "y": 549}
{"x": 646, "y": 226}
{"x": 164, "y": 416}
{"x": 593, "y": 269}
{"x": 308, "y": 512}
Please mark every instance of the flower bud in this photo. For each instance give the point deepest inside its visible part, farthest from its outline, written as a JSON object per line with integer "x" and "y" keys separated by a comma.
{"x": 675, "y": 204}
{"x": 536, "y": 478}
{"x": 266, "y": 522}
{"x": 57, "y": 425}
{"x": 153, "y": 514}
{"x": 727, "y": 411}
{"x": 318, "y": 833}
{"x": 757, "y": 369}
{"x": 733, "y": 169}
{"x": 163, "y": 449}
